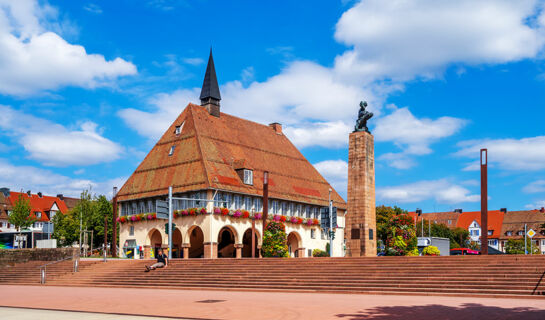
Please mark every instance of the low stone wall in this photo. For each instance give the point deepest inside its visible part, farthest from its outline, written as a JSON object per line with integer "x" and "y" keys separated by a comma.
{"x": 11, "y": 256}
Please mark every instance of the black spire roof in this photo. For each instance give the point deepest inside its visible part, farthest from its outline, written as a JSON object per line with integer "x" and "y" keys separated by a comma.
{"x": 210, "y": 92}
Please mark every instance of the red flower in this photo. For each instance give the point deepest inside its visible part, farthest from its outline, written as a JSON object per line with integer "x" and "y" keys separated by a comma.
{"x": 245, "y": 214}
{"x": 192, "y": 212}
{"x": 299, "y": 220}
{"x": 224, "y": 211}
{"x": 283, "y": 218}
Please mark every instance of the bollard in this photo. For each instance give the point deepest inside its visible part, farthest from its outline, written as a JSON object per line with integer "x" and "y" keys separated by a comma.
{"x": 76, "y": 265}
{"x": 104, "y": 250}
{"x": 42, "y": 276}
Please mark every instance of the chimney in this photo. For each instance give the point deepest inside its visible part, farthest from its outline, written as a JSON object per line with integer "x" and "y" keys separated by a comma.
{"x": 458, "y": 210}
{"x": 542, "y": 210}
{"x": 29, "y": 193}
{"x": 60, "y": 196}
{"x": 504, "y": 210}
{"x": 40, "y": 194}
{"x": 277, "y": 127}
{"x": 210, "y": 92}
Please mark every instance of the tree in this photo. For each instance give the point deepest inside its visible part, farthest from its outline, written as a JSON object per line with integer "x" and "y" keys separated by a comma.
{"x": 89, "y": 213}
{"x": 460, "y": 237}
{"x": 20, "y": 216}
{"x": 517, "y": 247}
{"x": 384, "y": 215}
{"x": 275, "y": 242}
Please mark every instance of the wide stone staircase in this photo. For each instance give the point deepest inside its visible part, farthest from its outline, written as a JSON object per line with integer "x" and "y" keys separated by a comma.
{"x": 491, "y": 276}
{"x": 29, "y": 272}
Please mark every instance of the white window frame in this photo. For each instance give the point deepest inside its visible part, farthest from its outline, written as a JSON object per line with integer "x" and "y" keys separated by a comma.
{"x": 171, "y": 151}
{"x": 248, "y": 177}
{"x": 179, "y": 129}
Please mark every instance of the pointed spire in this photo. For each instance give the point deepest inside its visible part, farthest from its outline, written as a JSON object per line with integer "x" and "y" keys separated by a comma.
{"x": 210, "y": 93}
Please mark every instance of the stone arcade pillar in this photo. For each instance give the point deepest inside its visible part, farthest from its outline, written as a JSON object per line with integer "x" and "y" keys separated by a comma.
{"x": 360, "y": 230}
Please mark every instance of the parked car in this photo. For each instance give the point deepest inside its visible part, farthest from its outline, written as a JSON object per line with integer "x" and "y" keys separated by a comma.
{"x": 463, "y": 252}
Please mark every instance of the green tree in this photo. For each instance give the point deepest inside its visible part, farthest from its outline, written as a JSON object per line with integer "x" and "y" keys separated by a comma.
{"x": 384, "y": 216}
{"x": 458, "y": 236}
{"x": 20, "y": 215}
{"x": 275, "y": 242}
{"x": 517, "y": 247}
{"x": 89, "y": 213}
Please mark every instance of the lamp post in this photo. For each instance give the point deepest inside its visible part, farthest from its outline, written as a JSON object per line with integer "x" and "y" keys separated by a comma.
{"x": 330, "y": 225}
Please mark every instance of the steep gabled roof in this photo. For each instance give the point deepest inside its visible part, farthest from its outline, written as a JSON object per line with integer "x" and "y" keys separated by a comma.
{"x": 495, "y": 221}
{"x": 39, "y": 204}
{"x": 210, "y": 149}
{"x": 438, "y": 217}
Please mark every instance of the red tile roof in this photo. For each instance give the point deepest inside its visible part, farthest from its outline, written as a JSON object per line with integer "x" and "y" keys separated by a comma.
{"x": 39, "y": 204}
{"x": 514, "y": 221}
{"x": 495, "y": 221}
{"x": 439, "y": 218}
{"x": 210, "y": 149}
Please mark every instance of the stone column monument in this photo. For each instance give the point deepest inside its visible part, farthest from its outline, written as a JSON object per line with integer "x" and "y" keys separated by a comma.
{"x": 360, "y": 226}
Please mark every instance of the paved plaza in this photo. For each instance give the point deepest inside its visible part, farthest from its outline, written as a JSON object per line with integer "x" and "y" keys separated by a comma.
{"x": 118, "y": 303}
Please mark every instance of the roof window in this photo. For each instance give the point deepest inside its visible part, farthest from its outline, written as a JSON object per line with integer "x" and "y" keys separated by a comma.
{"x": 179, "y": 129}
{"x": 171, "y": 151}
{"x": 248, "y": 177}
{"x": 509, "y": 233}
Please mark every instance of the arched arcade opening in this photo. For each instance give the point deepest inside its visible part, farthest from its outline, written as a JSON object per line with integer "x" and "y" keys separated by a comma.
{"x": 247, "y": 244}
{"x": 196, "y": 242}
{"x": 226, "y": 243}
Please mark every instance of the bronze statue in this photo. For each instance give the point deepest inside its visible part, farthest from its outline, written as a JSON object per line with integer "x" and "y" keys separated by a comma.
{"x": 363, "y": 117}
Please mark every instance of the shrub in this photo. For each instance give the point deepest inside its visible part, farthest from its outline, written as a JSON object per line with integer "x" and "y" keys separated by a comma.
{"x": 275, "y": 240}
{"x": 431, "y": 251}
{"x": 319, "y": 253}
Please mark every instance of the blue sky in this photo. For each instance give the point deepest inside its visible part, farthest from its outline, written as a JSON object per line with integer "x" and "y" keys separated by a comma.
{"x": 87, "y": 87}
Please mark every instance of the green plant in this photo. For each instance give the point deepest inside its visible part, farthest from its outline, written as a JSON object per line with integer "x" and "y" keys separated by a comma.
{"x": 431, "y": 251}
{"x": 275, "y": 240}
{"x": 20, "y": 215}
{"x": 319, "y": 253}
{"x": 517, "y": 247}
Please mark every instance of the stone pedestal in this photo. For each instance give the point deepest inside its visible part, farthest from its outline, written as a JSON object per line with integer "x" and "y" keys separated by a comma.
{"x": 360, "y": 230}
{"x": 238, "y": 248}
{"x": 210, "y": 250}
{"x": 300, "y": 252}
{"x": 185, "y": 248}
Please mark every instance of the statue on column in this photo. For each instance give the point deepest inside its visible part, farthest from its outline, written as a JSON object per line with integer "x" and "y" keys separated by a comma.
{"x": 363, "y": 117}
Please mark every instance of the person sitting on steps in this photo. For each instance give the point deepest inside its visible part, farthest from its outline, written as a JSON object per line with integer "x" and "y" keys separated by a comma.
{"x": 162, "y": 261}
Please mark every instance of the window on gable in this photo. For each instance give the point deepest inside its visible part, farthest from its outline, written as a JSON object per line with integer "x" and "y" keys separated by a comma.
{"x": 171, "y": 151}
{"x": 450, "y": 222}
{"x": 38, "y": 214}
{"x": 179, "y": 129}
{"x": 248, "y": 177}
{"x": 490, "y": 232}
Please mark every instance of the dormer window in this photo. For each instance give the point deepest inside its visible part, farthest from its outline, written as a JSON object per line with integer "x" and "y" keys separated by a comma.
{"x": 490, "y": 232}
{"x": 171, "y": 151}
{"x": 509, "y": 233}
{"x": 179, "y": 128}
{"x": 38, "y": 214}
{"x": 520, "y": 233}
{"x": 248, "y": 177}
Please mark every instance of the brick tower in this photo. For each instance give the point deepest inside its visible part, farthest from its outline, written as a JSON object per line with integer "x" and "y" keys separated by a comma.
{"x": 361, "y": 223}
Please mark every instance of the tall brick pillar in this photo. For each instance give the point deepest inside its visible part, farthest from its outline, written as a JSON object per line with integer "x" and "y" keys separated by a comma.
{"x": 361, "y": 225}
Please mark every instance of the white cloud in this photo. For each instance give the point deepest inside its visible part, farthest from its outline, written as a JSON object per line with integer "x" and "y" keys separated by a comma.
{"x": 335, "y": 172}
{"x": 33, "y": 59}
{"x": 31, "y": 178}
{"x": 402, "y": 39}
{"x": 537, "y": 205}
{"x": 166, "y": 109}
{"x": 526, "y": 154}
{"x": 535, "y": 187}
{"x": 442, "y": 191}
{"x": 93, "y": 8}
{"x": 413, "y": 135}
{"x": 193, "y": 61}
{"x": 324, "y": 134}
{"x": 53, "y": 144}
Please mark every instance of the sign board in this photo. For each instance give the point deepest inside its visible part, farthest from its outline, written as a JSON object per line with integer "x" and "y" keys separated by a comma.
{"x": 324, "y": 218}
{"x": 161, "y": 208}
{"x": 531, "y": 233}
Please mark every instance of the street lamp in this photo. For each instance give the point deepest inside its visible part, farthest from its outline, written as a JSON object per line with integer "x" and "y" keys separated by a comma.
{"x": 419, "y": 213}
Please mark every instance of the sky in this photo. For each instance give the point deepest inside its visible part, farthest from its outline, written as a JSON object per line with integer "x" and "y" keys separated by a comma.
{"x": 87, "y": 87}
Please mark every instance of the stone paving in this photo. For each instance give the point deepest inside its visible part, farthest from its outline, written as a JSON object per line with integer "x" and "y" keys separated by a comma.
{"x": 197, "y": 304}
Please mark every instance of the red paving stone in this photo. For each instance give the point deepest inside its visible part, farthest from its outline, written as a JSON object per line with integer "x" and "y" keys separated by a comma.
{"x": 267, "y": 305}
